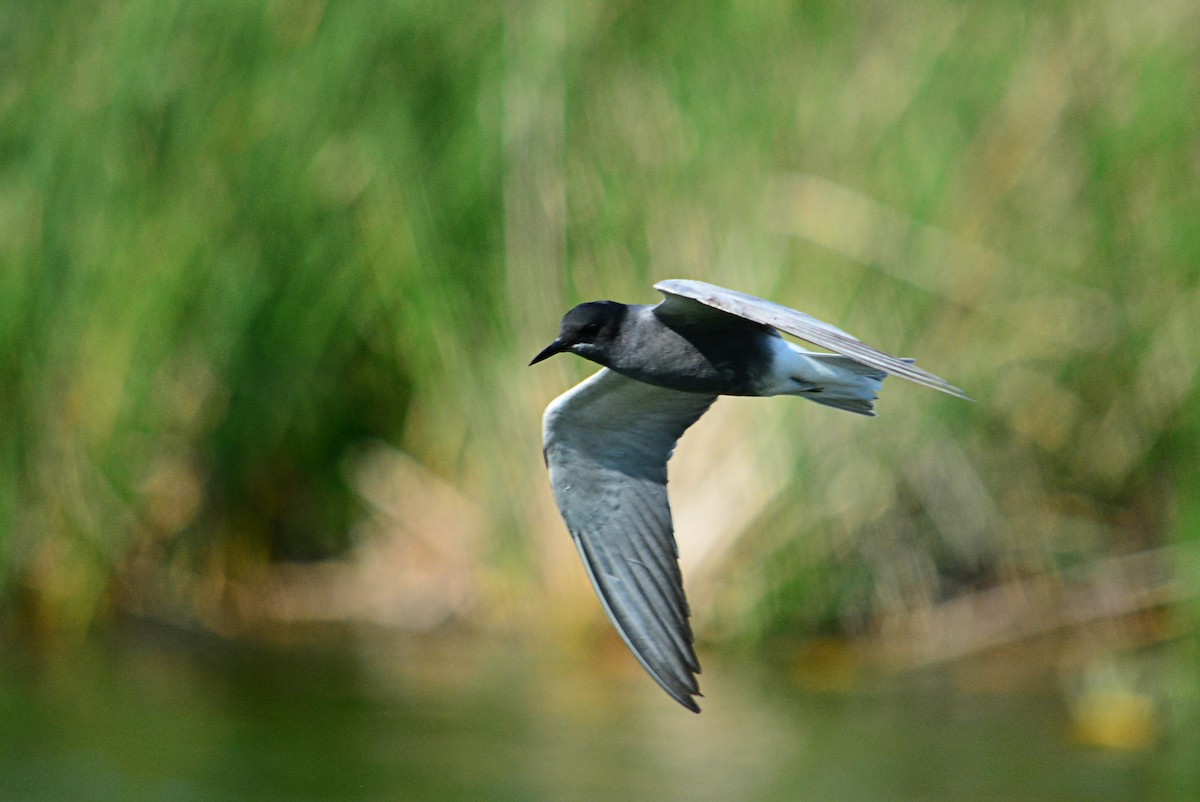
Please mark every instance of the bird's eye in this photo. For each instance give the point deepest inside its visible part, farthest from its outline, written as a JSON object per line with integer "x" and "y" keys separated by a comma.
{"x": 590, "y": 330}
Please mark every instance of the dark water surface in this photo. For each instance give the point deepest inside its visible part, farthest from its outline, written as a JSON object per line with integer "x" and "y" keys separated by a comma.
{"x": 161, "y": 715}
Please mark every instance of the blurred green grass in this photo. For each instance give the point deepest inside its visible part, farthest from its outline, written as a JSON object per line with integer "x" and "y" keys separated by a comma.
{"x": 270, "y": 273}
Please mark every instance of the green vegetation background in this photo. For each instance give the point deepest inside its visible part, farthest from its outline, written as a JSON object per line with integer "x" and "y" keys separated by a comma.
{"x": 270, "y": 274}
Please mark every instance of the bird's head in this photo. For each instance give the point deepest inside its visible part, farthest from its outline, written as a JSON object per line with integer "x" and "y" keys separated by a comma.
{"x": 587, "y": 330}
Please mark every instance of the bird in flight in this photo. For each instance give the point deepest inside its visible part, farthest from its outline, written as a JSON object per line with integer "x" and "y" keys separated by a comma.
{"x": 608, "y": 439}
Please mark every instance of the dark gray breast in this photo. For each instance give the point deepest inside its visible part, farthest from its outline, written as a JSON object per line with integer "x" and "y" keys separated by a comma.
{"x": 725, "y": 357}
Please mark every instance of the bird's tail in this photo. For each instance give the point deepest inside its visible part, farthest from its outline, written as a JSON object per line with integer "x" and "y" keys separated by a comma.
{"x": 840, "y": 382}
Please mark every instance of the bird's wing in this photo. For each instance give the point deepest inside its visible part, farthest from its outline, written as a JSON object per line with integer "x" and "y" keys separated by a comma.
{"x": 683, "y": 296}
{"x": 607, "y": 442}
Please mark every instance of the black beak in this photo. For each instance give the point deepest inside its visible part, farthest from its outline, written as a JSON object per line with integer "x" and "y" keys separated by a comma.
{"x": 556, "y": 347}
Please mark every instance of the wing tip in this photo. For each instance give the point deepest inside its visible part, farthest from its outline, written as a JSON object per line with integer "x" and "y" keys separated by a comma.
{"x": 949, "y": 389}
{"x": 919, "y": 375}
{"x": 682, "y": 688}
{"x": 685, "y": 698}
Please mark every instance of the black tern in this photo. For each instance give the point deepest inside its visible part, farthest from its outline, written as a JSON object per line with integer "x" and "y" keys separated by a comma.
{"x": 607, "y": 440}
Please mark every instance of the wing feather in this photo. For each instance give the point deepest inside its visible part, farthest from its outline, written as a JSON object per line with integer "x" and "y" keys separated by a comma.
{"x": 682, "y": 295}
{"x": 607, "y": 442}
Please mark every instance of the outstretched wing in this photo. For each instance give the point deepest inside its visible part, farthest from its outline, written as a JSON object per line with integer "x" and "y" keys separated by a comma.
{"x": 682, "y": 296}
{"x": 607, "y": 442}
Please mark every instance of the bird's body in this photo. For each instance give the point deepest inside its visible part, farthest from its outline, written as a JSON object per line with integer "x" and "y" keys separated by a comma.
{"x": 689, "y": 357}
{"x": 607, "y": 441}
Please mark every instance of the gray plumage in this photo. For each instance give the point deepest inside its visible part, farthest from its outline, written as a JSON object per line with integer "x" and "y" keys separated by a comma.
{"x": 607, "y": 441}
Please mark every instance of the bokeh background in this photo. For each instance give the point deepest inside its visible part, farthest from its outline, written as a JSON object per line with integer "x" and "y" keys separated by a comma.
{"x": 273, "y": 518}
